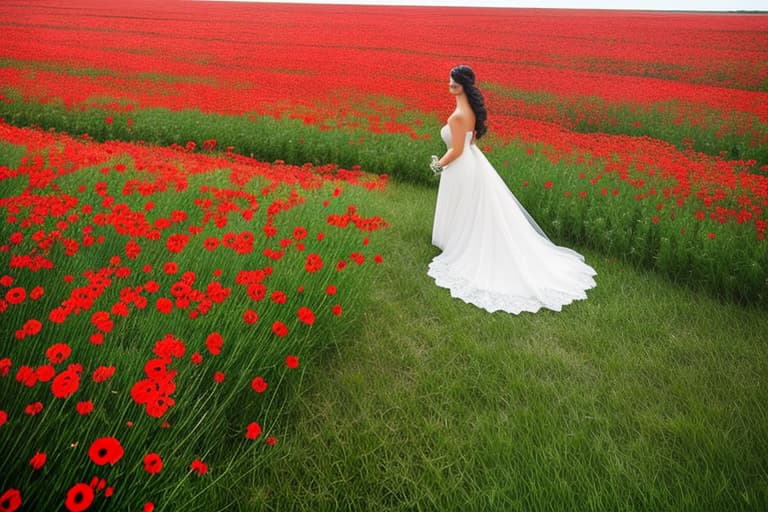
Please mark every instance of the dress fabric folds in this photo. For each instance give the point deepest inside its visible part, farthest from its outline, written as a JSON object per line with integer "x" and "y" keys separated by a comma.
{"x": 494, "y": 255}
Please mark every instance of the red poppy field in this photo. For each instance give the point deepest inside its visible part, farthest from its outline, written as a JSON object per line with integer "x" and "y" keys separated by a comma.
{"x": 641, "y": 134}
{"x": 151, "y": 294}
{"x": 184, "y": 219}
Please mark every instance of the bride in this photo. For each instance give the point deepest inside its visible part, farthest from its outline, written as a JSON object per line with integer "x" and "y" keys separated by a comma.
{"x": 494, "y": 255}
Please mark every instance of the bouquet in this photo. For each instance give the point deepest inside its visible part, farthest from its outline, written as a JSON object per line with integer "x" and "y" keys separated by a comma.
{"x": 435, "y": 165}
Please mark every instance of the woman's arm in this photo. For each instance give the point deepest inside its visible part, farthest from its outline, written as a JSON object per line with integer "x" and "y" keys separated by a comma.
{"x": 456, "y": 122}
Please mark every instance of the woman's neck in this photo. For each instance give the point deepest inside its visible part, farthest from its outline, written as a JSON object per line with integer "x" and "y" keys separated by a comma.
{"x": 462, "y": 102}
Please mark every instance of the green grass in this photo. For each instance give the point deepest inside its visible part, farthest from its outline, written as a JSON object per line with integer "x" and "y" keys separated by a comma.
{"x": 646, "y": 396}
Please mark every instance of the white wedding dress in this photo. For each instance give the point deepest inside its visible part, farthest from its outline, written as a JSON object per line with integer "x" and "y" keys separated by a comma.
{"x": 494, "y": 255}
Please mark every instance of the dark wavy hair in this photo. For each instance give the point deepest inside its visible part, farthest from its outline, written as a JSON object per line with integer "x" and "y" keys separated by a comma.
{"x": 464, "y": 76}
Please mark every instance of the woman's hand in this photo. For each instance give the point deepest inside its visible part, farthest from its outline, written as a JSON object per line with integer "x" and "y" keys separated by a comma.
{"x": 435, "y": 165}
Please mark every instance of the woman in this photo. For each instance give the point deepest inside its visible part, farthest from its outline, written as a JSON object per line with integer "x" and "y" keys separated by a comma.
{"x": 494, "y": 255}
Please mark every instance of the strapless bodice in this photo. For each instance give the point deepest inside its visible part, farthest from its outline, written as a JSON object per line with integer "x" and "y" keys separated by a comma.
{"x": 445, "y": 133}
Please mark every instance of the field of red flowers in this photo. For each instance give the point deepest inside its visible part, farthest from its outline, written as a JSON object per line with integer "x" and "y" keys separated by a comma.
{"x": 151, "y": 293}
{"x": 706, "y": 73}
{"x": 127, "y": 268}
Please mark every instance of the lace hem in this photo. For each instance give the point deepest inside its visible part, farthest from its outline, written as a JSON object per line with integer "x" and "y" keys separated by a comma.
{"x": 548, "y": 299}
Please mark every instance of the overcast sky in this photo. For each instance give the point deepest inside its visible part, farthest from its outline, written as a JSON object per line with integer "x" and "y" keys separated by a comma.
{"x": 652, "y": 5}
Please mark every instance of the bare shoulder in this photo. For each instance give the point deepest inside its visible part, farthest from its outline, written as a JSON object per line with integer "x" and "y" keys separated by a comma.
{"x": 458, "y": 121}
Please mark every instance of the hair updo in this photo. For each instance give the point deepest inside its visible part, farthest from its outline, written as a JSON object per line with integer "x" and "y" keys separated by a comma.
{"x": 464, "y": 76}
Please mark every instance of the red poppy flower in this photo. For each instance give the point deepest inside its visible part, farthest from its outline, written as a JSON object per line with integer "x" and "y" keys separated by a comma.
{"x": 103, "y": 373}
{"x": 132, "y": 249}
{"x": 280, "y": 329}
{"x": 216, "y": 293}
{"x": 218, "y": 377}
{"x": 330, "y": 289}
{"x": 279, "y": 297}
{"x": 164, "y": 305}
{"x": 196, "y": 358}
{"x": 79, "y": 497}
{"x": 3, "y": 417}
{"x": 250, "y": 316}
{"x": 97, "y": 483}
{"x": 337, "y": 310}
{"x": 105, "y": 450}
{"x": 211, "y": 243}
{"x": 299, "y": 233}
{"x": 178, "y": 216}
{"x": 16, "y": 295}
{"x": 157, "y": 369}
{"x": 5, "y": 366}
{"x": 259, "y": 385}
{"x": 180, "y": 289}
{"x": 214, "y": 342}
{"x": 378, "y": 259}
{"x": 120, "y": 309}
{"x": 158, "y": 406}
{"x": 149, "y": 507}
{"x": 26, "y": 375}
{"x": 37, "y": 461}
{"x": 169, "y": 347}
{"x": 153, "y": 464}
{"x": 199, "y": 466}
{"x": 34, "y": 408}
{"x": 16, "y": 238}
{"x": 84, "y": 408}
{"x": 314, "y": 263}
{"x": 257, "y": 291}
{"x": 271, "y": 441}
{"x": 170, "y": 268}
{"x": 175, "y": 243}
{"x": 36, "y": 292}
{"x": 275, "y": 255}
{"x": 45, "y": 372}
{"x": 10, "y": 500}
{"x": 306, "y": 315}
{"x": 253, "y": 431}
{"x": 65, "y": 384}
{"x": 102, "y": 321}
{"x": 270, "y": 230}
{"x": 292, "y": 362}
{"x": 58, "y": 353}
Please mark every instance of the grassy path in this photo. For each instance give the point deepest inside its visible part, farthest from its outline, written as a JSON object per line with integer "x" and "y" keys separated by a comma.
{"x": 644, "y": 397}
